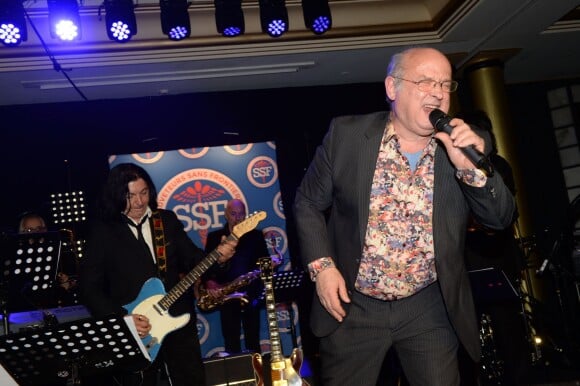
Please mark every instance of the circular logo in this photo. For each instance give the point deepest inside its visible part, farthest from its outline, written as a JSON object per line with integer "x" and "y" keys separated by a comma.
{"x": 278, "y": 205}
{"x": 275, "y": 239}
{"x": 238, "y": 149}
{"x": 216, "y": 352}
{"x": 148, "y": 158}
{"x": 202, "y": 328}
{"x": 262, "y": 172}
{"x": 194, "y": 152}
{"x": 272, "y": 144}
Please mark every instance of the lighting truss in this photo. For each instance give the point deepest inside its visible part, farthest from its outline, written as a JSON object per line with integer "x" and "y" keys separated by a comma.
{"x": 317, "y": 17}
{"x": 68, "y": 208}
{"x": 120, "y": 20}
{"x": 175, "y": 19}
{"x": 64, "y": 19}
{"x": 274, "y": 17}
{"x": 229, "y": 17}
{"x": 12, "y": 23}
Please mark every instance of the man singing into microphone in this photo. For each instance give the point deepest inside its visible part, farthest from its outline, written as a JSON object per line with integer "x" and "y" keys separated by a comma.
{"x": 381, "y": 216}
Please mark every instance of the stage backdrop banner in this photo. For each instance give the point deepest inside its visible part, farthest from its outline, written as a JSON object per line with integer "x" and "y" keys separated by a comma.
{"x": 196, "y": 184}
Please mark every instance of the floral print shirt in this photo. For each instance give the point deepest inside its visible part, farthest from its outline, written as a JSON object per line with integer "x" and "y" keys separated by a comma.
{"x": 398, "y": 256}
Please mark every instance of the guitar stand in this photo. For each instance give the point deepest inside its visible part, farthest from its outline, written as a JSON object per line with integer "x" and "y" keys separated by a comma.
{"x": 58, "y": 355}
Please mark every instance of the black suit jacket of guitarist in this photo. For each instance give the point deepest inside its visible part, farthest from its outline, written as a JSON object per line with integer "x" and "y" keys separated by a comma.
{"x": 115, "y": 265}
{"x": 340, "y": 178}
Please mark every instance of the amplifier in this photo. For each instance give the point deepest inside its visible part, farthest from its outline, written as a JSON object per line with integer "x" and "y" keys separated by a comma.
{"x": 231, "y": 370}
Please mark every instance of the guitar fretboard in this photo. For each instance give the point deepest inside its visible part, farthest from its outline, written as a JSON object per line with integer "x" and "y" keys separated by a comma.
{"x": 275, "y": 345}
{"x": 189, "y": 279}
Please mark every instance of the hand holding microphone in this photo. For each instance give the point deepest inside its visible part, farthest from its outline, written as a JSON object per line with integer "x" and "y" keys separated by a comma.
{"x": 440, "y": 122}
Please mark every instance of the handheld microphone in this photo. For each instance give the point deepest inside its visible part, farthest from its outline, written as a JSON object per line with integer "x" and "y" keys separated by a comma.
{"x": 440, "y": 122}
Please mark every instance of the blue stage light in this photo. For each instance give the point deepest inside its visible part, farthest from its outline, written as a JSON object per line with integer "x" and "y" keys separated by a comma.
{"x": 229, "y": 17}
{"x": 175, "y": 19}
{"x": 64, "y": 19}
{"x": 274, "y": 17}
{"x": 12, "y": 23}
{"x": 317, "y": 17}
{"x": 120, "y": 20}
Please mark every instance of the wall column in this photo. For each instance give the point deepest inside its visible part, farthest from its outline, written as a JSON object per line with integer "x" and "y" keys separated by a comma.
{"x": 486, "y": 81}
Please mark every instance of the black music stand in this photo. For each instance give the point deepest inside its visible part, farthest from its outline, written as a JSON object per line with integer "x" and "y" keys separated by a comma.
{"x": 58, "y": 355}
{"x": 491, "y": 285}
{"x": 286, "y": 284}
{"x": 29, "y": 271}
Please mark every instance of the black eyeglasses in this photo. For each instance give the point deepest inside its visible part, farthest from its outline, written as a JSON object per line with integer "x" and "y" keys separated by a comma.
{"x": 429, "y": 84}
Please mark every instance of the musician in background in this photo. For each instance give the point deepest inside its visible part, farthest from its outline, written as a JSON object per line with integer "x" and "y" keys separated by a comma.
{"x": 33, "y": 222}
{"x": 122, "y": 255}
{"x": 236, "y": 312}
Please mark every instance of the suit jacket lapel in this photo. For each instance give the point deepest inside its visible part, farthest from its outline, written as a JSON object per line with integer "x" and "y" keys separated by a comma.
{"x": 368, "y": 154}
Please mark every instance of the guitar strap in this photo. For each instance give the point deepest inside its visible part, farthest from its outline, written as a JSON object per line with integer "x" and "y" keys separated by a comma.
{"x": 159, "y": 244}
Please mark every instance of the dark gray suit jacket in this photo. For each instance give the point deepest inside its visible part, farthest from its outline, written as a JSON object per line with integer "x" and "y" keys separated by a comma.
{"x": 340, "y": 178}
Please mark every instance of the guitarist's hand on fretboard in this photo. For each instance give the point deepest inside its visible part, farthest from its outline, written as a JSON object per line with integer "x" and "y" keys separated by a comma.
{"x": 142, "y": 324}
{"x": 226, "y": 249}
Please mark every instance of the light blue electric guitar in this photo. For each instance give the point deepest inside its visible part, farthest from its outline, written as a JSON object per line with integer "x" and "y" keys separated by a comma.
{"x": 154, "y": 303}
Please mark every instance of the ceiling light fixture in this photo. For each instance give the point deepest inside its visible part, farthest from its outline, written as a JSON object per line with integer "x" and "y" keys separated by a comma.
{"x": 274, "y": 17}
{"x": 229, "y": 17}
{"x": 317, "y": 17}
{"x": 175, "y": 19}
{"x": 64, "y": 19}
{"x": 120, "y": 20}
{"x": 12, "y": 23}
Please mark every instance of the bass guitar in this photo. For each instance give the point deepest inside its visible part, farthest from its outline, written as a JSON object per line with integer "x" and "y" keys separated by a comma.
{"x": 154, "y": 303}
{"x": 282, "y": 371}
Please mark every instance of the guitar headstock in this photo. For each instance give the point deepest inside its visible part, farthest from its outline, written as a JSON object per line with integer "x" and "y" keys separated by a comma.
{"x": 250, "y": 223}
{"x": 266, "y": 268}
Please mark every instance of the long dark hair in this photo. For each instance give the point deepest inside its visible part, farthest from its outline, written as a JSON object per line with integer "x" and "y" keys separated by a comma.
{"x": 113, "y": 199}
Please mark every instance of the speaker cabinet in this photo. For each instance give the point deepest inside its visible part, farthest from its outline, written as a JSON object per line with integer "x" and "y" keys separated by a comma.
{"x": 231, "y": 370}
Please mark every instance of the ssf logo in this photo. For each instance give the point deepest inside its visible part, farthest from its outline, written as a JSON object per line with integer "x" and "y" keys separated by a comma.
{"x": 262, "y": 172}
{"x": 199, "y": 198}
{"x": 275, "y": 239}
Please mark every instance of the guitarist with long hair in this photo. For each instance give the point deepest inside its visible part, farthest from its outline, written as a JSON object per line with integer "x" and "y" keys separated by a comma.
{"x": 122, "y": 256}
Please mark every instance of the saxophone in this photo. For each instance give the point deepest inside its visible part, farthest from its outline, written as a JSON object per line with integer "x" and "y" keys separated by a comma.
{"x": 206, "y": 302}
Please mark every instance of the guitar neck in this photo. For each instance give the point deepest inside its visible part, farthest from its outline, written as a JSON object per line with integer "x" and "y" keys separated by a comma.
{"x": 275, "y": 345}
{"x": 189, "y": 279}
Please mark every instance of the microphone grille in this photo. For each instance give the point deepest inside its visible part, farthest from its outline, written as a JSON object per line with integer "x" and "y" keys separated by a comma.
{"x": 436, "y": 115}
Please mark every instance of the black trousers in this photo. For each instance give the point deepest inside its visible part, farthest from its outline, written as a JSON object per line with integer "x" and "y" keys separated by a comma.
{"x": 417, "y": 327}
{"x": 235, "y": 315}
